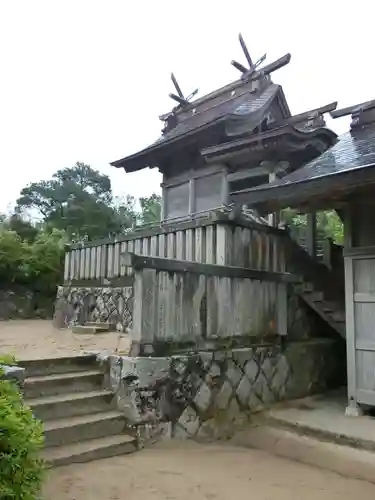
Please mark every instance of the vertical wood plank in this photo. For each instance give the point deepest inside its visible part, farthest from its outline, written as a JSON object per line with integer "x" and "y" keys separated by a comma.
{"x": 87, "y": 263}
{"x": 161, "y": 285}
{"x": 81, "y": 263}
{"x": 211, "y": 244}
{"x": 138, "y": 247}
{"x": 190, "y": 245}
{"x": 116, "y": 259}
{"x": 129, "y": 270}
{"x": 123, "y": 248}
{"x": 180, "y": 245}
{"x": 110, "y": 250}
{"x": 72, "y": 265}
{"x": 98, "y": 261}
{"x": 154, "y": 246}
{"x": 162, "y": 245}
{"x": 92, "y": 261}
{"x": 104, "y": 261}
{"x": 67, "y": 266}
{"x": 221, "y": 245}
{"x": 200, "y": 254}
{"x": 171, "y": 245}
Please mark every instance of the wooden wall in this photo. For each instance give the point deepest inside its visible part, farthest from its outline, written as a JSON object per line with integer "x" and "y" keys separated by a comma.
{"x": 210, "y": 240}
{"x": 177, "y": 302}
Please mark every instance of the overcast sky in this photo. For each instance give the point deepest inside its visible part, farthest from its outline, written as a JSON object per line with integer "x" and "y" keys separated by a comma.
{"x": 85, "y": 80}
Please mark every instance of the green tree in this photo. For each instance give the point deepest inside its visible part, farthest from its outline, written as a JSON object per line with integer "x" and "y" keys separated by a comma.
{"x": 150, "y": 209}
{"x": 77, "y": 200}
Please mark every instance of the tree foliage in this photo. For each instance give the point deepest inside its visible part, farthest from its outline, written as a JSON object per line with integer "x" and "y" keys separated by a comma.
{"x": 79, "y": 200}
{"x": 21, "y": 439}
{"x": 37, "y": 264}
{"x": 329, "y": 224}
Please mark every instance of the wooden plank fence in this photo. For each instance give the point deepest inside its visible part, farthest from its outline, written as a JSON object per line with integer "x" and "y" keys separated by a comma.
{"x": 178, "y": 301}
{"x": 209, "y": 241}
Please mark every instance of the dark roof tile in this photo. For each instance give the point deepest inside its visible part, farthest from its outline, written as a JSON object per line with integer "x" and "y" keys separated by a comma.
{"x": 353, "y": 150}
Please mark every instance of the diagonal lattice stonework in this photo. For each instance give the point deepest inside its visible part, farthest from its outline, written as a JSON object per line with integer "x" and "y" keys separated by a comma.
{"x": 206, "y": 395}
{"x": 78, "y": 305}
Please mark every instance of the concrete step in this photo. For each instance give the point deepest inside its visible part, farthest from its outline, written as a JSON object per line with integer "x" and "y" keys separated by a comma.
{"x": 71, "y": 430}
{"x": 63, "y": 383}
{"x": 67, "y": 364}
{"x": 93, "y": 449}
{"x": 342, "y": 459}
{"x": 106, "y": 327}
{"x": 71, "y": 405}
{"x": 89, "y": 330}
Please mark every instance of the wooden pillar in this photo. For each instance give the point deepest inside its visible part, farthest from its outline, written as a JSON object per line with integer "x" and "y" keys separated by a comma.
{"x": 191, "y": 196}
{"x": 311, "y": 234}
{"x": 353, "y": 409}
{"x": 274, "y": 218}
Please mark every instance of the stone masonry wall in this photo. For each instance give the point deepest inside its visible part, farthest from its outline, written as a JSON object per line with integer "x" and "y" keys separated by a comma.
{"x": 77, "y": 305}
{"x": 207, "y": 395}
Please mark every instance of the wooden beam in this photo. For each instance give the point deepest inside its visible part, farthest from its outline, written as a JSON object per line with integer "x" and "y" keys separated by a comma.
{"x": 269, "y": 68}
{"x": 173, "y": 265}
{"x": 327, "y": 108}
{"x": 239, "y": 66}
{"x": 350, "y": 109}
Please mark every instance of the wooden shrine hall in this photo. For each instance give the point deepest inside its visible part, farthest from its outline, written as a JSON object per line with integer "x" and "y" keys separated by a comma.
{"x": 231, "y": 160}
{"x": 237, "y": 137}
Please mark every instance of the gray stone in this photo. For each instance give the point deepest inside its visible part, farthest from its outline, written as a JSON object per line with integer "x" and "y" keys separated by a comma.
{"x": 242, "y": 356}
{"x": 220, "y": 355}
{"x": 147, "y": 371}
{"x": 233, "y": 411}
{"x": 268, "y": 369}
{"x": 280, "y": 377}
{"x": 15, "y": 373}
{"x": 214, "y": 371}
{"x": 203, "y": 398}
{"x": 255, "y": 404}
{"x": 233, "y": 373}
{"x": 207, "y": 431}
{"x": 222, "y": 399}
{"x": 78, "y": 305}
{"x": 252, "y": 370}
{"x": 262, "y": 390}
{"x": 189, "y": 420}
{"x": 179, "y": 432}
{"x": 206, "y": 359}
{"x": 244, "y": 390}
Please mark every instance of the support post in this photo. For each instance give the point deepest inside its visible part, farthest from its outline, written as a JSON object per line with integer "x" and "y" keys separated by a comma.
{"x": 311, "y": 234}
{"x": 353, "y": 409}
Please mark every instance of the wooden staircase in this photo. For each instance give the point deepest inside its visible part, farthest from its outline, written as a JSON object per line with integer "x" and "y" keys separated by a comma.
{"x": 323, "y": 289}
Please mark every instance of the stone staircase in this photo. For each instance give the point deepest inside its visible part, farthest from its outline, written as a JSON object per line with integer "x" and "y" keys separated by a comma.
{"x": 79, "y": 414}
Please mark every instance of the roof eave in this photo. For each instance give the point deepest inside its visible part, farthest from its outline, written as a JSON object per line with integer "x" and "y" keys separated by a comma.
{"x": 269, "y": 197}
{"x": 146, "y": 157}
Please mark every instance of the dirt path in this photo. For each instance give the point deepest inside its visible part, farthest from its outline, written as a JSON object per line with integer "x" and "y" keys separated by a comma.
{"x": 36, "y": 339}
{"x": 184, "y": 470}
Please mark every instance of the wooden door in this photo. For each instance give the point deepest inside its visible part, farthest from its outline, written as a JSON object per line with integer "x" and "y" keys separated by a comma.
{"x": 360, "y": 281}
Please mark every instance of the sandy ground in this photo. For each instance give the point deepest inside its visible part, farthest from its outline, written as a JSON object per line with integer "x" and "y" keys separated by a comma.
{"x": 174, "y": 470}
{"x": 185, "y": 470}
{"x": 36, "y": 339}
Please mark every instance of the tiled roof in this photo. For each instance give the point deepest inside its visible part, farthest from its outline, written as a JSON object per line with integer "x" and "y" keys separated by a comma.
{"x": 245, "y": 102}
{"x": 354, "y": 151}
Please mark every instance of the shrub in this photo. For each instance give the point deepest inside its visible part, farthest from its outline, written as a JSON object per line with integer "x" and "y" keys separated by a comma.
{"x": 21, "y": 438}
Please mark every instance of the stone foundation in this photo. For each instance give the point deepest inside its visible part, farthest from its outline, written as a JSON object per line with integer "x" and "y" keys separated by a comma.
{"x": 78, "y": 305}
{"x": 207, "y": 395}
